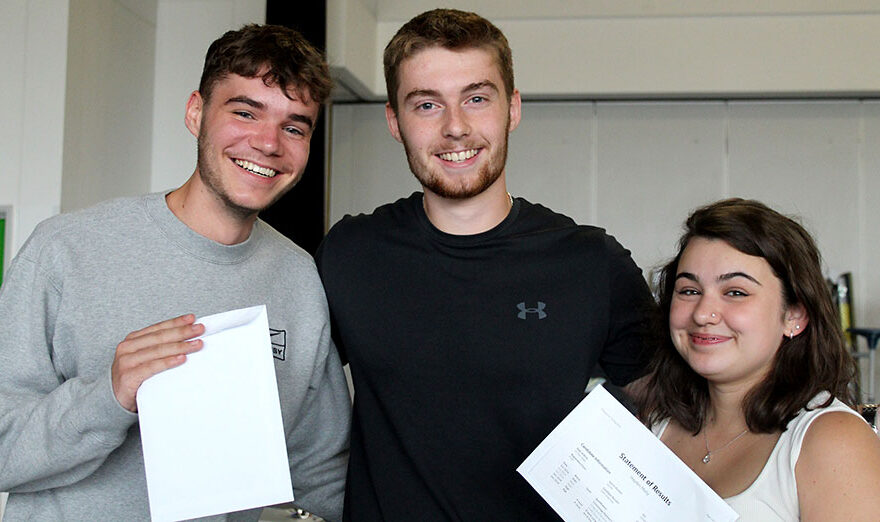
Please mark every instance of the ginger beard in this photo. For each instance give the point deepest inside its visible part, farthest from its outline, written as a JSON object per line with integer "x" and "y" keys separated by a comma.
{"x": 434, "y": 179}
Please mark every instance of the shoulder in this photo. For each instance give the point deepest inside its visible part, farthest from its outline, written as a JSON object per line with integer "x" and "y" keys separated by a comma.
{"x": 354, "y": 234}
{"x": 535, "y": 217}
{"x": 278, "y": 254}
{"x": 840, "y": 456}
{"x": 381, "y": 216}
{"x": 79, "y": 229}
{"x": 283, "y": 245}
{"x": 837, "y": 434}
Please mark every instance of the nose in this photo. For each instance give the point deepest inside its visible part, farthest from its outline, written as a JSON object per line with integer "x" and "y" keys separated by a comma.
{"x": 266, "y": 139}
{"x": 455, "y": 123}
{"x": 705, "y": 311}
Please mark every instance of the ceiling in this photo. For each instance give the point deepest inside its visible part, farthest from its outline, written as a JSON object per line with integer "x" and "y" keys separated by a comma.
{"x": 402, "y": 10}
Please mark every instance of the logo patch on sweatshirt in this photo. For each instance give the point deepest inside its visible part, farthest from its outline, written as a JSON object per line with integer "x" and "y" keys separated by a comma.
{"x": 279, "y": 343}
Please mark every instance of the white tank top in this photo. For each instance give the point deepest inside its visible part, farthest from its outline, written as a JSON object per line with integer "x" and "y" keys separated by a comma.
{"x": 773, "y": 495}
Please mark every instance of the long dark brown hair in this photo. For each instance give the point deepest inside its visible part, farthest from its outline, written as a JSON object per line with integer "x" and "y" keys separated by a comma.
{"x": 815, "y": 360}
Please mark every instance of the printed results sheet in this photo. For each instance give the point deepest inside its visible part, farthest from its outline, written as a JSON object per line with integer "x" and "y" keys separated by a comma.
{"x": 601, "y": 464}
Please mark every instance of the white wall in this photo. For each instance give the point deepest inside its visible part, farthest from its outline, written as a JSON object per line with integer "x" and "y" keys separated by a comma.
{"x": 642, "y": 49}
{"x": 185, "y": 30}
{"x": 637, "y": 169}
{"x": 108, "y": 109}
{"x": 98, "y": 90}
{"x": 33, "y": 61}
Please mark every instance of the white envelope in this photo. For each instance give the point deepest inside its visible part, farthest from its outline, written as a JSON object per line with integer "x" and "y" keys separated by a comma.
{"x": 211, "y": 429}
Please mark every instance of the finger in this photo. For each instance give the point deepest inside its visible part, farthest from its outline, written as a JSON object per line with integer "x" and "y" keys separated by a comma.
{"x": 126, "y": 386}
{"x": 160, "y": 336}
{"x": 126, "y": 362}
{"x": 180, "y": 320}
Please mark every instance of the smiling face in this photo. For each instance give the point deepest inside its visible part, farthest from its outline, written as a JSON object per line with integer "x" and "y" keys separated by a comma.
{"x": 727, "y": 316}
{"x": 253, "y": 142}
{"x": 453, "y": 119}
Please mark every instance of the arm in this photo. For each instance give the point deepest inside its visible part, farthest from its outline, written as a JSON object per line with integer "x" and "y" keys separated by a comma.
{"x": 54, "y": 429}
{"x": 631, "y": 309}
{"x": 318, "y": 444}
{"x": 838, "y": 470}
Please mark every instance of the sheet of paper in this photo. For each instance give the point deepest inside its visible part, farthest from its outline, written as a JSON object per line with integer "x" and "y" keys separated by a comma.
{"x": 601, "y": 464}
{"x": 211, "y": 428}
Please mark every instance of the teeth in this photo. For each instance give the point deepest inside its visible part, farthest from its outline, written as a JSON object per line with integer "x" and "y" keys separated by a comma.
{"x": 458, "y": 156}
{"x": 256, "y": 169}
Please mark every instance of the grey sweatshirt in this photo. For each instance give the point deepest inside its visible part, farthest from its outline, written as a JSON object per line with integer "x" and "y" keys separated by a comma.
{"x": 79, "y": 285}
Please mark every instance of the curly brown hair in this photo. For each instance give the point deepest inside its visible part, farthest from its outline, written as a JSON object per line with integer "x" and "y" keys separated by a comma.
{"x": 450, "y": 29}
{"x": 816, "y": 360}
{"x": 281, "y": 56}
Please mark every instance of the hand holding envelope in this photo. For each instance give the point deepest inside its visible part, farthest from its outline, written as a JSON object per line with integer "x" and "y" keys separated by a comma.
{"x": 151, "y": 350}
{"x": 211, "y": 429}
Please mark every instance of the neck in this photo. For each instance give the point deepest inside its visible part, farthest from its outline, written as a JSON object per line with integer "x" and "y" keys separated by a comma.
{"x": 202, "y": 211}
{"x": 471, "y": 215}
{"x": 725, "y": 407}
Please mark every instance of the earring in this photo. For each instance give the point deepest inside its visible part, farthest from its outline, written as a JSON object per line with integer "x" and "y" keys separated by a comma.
{"x": 713, "y": 315}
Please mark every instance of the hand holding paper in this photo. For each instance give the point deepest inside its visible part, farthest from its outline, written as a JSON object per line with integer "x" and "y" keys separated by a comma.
{"x": 151, "y": 350}
{"x": 600, "y": 463}
{"x": 211, "y": 429}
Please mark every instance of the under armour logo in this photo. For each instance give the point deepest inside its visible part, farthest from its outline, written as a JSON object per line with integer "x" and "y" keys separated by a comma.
{"x": 523, "y": 311}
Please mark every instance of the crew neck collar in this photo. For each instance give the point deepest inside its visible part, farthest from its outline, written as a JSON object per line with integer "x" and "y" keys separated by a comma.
{"x": 194, "y": 243}
{"x": 458, "y": 239}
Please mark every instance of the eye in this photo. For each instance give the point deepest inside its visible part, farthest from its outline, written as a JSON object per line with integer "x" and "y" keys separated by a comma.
{"x": 687, "y": 291}
{"x": 426, "y": 106}
{"x": 478, "y": 99}
{"x": 736, "y": 293}
{"x": 294, "y": 131}
{"x": 244, "y": 114}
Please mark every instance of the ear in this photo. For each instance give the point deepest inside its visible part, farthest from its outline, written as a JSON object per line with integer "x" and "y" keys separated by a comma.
{"x": 193, "y": 117}
{"x": 393, "y": 125}
{"x": 796, "y": 320}
{"x": 515, "y": 110}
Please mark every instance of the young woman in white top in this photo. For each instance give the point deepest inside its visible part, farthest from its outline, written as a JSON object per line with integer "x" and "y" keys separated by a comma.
{"x": 752, "y": 388}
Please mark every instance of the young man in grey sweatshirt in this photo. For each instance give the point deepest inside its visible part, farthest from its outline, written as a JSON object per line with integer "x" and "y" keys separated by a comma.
{"x": 101, "y": 299}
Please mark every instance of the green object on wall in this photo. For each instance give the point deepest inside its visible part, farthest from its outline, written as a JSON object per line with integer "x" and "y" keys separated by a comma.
{"x": 2, "y": 243}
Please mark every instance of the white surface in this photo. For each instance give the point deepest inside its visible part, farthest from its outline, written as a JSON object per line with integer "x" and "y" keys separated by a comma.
{"x": 642, "y": 49}
{"x": 600, "y": 463}
{"x": 110, "y": 57}
{"x": 34, "y": 43}
{"x": 403, "y": 10}
{"x": 212, "y": 427}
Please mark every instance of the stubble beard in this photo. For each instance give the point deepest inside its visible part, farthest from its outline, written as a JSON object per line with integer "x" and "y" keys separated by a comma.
{"x": 211, "y": 177}
{"x": 432, "y": 180}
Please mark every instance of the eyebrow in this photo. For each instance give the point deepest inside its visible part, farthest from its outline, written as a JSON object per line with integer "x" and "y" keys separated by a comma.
{"x": 722, "y": 277}
{"x": 431, "y": 93}
{"x": 262, "y": 106}
{"x": 476, "y": 86}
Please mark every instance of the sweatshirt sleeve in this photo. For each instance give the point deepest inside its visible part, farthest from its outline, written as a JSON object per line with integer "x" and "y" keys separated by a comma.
{"x": 318, "y": 445}
{"x": 54, "y": 431}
